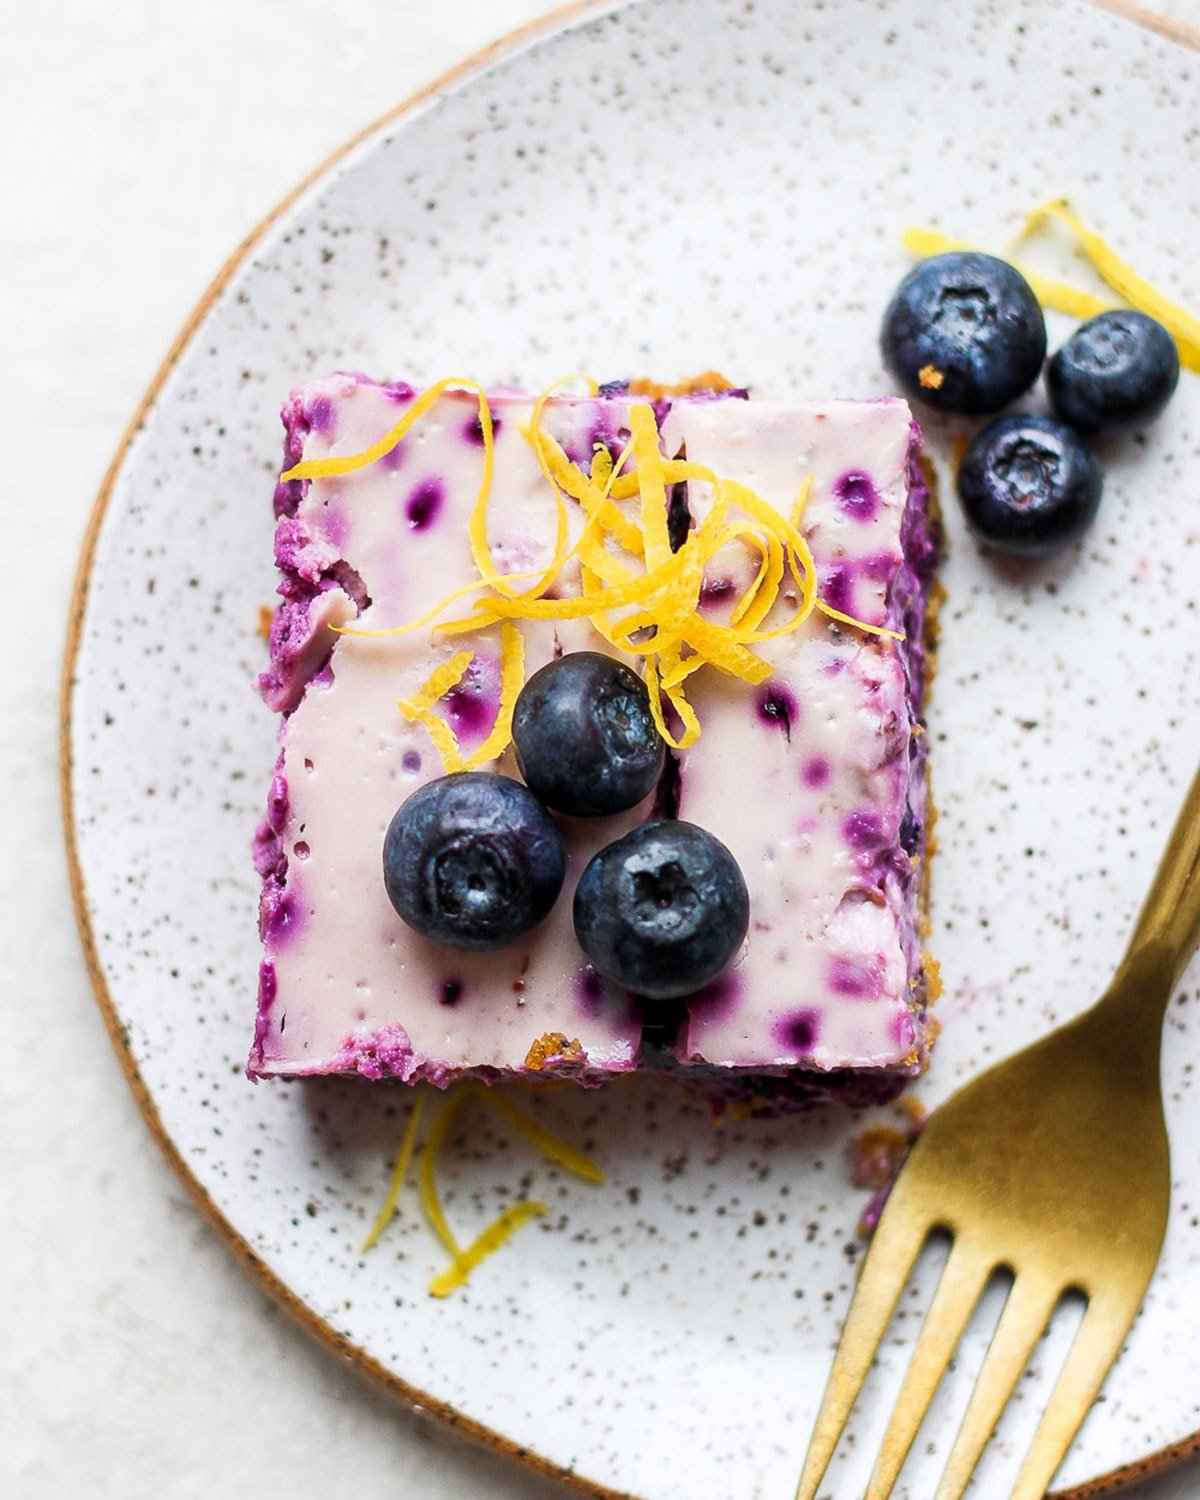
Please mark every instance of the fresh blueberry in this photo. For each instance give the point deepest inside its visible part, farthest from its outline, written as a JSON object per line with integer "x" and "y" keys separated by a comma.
{"x": 663, "y": 910}
{"x": 1029, "y": 485}
{"x": 584, "y": 736}
{"x": 1118, "y": 370}
{"x": 964, "y": 333}
{"x": 473, "y": 860}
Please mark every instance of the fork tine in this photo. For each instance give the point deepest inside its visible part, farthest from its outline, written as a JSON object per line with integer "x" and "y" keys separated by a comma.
{"x": 1096, "y": 1346}
{"x": 894, "y": 1250}
{"x": 962, "y": 1280}
{"x": 1026, "y": 1313}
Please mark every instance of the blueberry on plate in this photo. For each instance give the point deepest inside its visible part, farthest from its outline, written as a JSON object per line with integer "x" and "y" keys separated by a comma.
{"x": 662, "y": 910}
{"x": 1118, "y": 370}
{"x": 1029, "y": 485}
{"x": 964, "y": 333}
{"x": 473, "y": 860}
{"x": 584, "y": 736}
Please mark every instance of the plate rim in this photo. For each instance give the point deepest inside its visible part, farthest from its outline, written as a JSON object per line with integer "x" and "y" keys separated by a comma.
{"x": 423, "y": 1405}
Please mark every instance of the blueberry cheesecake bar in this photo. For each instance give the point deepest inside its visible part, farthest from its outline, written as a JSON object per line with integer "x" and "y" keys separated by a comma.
{"x": 601, "y": 740}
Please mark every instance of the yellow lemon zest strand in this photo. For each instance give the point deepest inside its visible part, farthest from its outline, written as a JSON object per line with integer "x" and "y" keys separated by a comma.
{"x": 647, "y": 605}
{"x": 399, "y": 1174}
{"x": 419, "y": 709}
{"x": 723, "y": 649}
{"x": 605, "y": 564}
{"x": 1182, "y": 325}
{"x": 535, "y": 434}
{"x": 756, "y": 601}
{"x": 604, "y": 515}
{"x": 678, "y": 701}
{"x": 329, "y": 468}
{"x": 1062, "y": 297}
{"x": 800, "y": 504}
{"x": 463, "y": 1262}
{"x": 880, "y": 630}
{"x": 575, "y": 608}
{"x": 687, "y": 714}
{"x": 684, "y": 670}
{"x": 800, "y": 557}
{"x": 527, "y": 606}
{"x": 602, "y": 466}
{"x": 800, "y": 563}
{"x": 643, "y": 432}
{"x": 677, "y": 612}
{"x": 618, "y": 468}
{"x": 437, "y": 684}
{"x": 656, "y": 709}
{"x": 512, "y": 680}
{"x": 590, "y": 544}
{"x": 673, "y": 615}
{"x": 551, "y": 1146}
{"x": 625, "y": 487}
{"x": 430, "y": 1201}
{"x": 607, "y": 515}
{"x": 431, "y": 614}
{"x": 691, "y": 724}
{"x": 756, "y": 542}
{"x": 445, "y": 742}
{"x": 703, "y": 543}
{"x": 497, "y": 1233}
{"x": 1073, "y": 300}
{"x": 477, "y": 534}
{"x": 923, "y": 242}
{"x": 609, "y": 518}
{"x": 593, "y": 589}
{"x": 717, "y": 646}
{"x": 594, "y": 499}
{"x": 590, "y": 584}
{"x": 592, "y": 552}
{"x": 678, "y": 619}
{"x": 1059, "y": 295}
{"x": 487, "y": 1243}
{"x": 757, "y": 611}
{"x": 625, "y": 629}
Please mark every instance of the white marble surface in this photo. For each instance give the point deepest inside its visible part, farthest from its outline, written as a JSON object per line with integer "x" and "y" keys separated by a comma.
{"x": 138, "y": 143}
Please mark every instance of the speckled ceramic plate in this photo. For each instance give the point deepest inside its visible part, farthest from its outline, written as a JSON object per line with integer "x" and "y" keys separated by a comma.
{"x": 661, "y": 187}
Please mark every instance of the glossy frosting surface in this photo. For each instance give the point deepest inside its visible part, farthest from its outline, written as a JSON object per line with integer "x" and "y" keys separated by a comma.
{"x": 813, "y": 779}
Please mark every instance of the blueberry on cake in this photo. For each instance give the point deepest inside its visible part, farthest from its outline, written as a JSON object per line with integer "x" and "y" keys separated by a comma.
{"x": 601, "y": 744}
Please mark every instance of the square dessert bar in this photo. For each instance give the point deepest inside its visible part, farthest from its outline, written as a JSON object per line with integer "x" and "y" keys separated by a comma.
{"x": 815, "y": 778}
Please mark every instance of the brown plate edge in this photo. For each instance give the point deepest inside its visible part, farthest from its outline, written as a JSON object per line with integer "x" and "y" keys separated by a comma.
{"x": 420, "y": 1402}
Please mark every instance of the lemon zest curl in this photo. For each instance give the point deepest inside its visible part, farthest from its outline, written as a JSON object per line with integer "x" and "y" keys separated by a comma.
{"x": 640, "y": 596}
{"x": 1134, "y": 290}
{"x": 465, "y": 1259}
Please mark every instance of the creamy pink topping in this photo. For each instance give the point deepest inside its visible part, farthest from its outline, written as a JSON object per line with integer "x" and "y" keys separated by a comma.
{"x": 809, "y": 779}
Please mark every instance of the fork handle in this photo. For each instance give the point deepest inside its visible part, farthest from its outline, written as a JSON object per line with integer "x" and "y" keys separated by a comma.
{"x": 1170, "y": 915}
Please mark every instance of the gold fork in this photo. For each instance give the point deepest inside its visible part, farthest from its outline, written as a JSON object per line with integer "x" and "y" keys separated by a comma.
{"x": 1053, "y": 1165}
